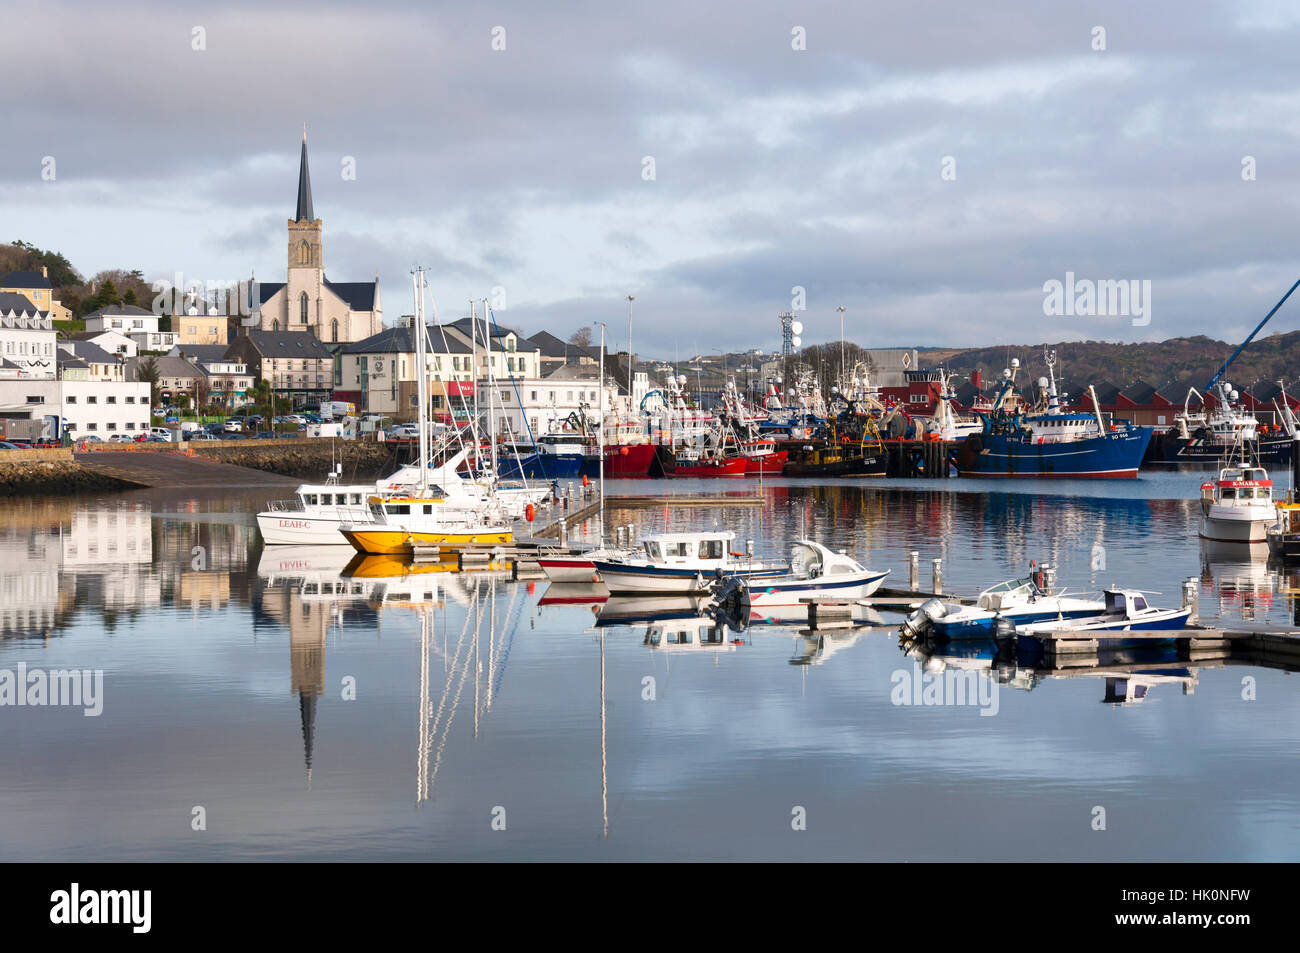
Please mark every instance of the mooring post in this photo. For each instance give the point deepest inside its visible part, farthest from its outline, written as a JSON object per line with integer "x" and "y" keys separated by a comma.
{"x": 564, "y": 534}
{"x": 915, "y": 565}
{"x": 1191, "y": 597}
{"x": 1049, "y": 580}
{"x": 936, "y": 570}
{"x": 618, "y": 537}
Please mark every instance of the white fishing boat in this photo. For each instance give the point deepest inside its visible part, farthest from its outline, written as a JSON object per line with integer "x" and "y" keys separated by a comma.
{"x": 683, "y": 563}
{"x": 1126, "y": 610}
{"x": 815, "y": 572}
{"x": 314, "y": 515}
{"x": 1238, "y": 507}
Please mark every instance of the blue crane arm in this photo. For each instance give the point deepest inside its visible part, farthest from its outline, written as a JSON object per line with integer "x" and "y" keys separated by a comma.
{"x": 1223, "y": 370}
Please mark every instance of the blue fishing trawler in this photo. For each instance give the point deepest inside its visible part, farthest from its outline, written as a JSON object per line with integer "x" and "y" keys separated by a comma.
{"x": 1046, "y": 440}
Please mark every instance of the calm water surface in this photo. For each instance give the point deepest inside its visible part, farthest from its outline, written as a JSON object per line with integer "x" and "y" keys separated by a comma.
{"x": 230, "y": 670}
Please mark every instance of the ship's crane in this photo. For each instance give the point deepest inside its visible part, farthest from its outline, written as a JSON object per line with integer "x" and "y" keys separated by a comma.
{"x": 1223, "y": 370}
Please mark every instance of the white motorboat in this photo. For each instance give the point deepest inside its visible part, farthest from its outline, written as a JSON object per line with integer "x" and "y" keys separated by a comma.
{"x": 815, "y": 571}
{"x": 1126, "y": 610}
{"x": 1018, "y": 601}
{"x": 1238, "y": 507}
{"x": 683, "y": 563}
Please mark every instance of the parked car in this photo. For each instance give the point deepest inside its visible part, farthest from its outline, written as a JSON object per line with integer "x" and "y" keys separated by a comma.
{"x": 163, "y": 432}
{"x": 152, "y": 439}
{"x": 405, "y": 432}
{"x": 203, "y": 435}
{"x": 6, "y": 445}
{"x": 121, "y": 438}
{"x": 234, "y": 426}
{"x": 89, "y": 438}
{"x": 215, "y": 429}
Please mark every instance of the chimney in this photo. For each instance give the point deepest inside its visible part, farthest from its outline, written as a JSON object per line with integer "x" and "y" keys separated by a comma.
{"x": 45, "y": 271}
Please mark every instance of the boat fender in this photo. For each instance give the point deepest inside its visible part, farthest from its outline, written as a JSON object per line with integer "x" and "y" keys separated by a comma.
{"x": 530, "y": 511}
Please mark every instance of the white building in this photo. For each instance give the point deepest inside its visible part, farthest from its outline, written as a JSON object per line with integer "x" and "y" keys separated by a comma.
{"x": 114, "y": 342}
{"x": 126, "y": 318}
{"x": 158, "y": 341}
{"x": 80, "y": 408}
{"x": 27, "y": 338}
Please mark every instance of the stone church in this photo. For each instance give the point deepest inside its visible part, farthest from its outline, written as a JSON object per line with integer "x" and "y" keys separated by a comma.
{"x": 334, "y": 311}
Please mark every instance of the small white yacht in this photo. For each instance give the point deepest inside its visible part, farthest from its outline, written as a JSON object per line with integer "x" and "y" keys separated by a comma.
{"x": 683, "y": 563}
{"x": 1238, "y": 507}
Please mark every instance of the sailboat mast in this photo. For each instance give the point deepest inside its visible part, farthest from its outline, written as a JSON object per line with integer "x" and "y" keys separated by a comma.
{"x": 422, "y": 384}
{"x": 492, "y": 388}
{"x": 600, "y": 432}
{"x": 473, "y": 367}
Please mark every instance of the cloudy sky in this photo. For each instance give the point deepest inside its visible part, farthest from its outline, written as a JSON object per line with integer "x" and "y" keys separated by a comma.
{"x": 822, "y": 168}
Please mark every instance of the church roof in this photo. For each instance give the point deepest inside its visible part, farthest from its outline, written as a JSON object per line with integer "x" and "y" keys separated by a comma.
{"x": 304, "y": 213}
{"x": 268, "y": 289}
{"x": 24, "y": 279}
{"x": 360, "y": 295}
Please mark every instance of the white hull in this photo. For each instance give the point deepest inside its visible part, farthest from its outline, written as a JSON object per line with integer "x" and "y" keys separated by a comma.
{"x": 1235, "y": 529}
{"x": 295, "y": 529}
{"x": 781, "y": 591}
{"x": 568, "y": 569}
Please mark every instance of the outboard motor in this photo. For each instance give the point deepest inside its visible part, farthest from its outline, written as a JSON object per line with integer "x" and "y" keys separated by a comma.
{"x": 1003, "y": 628}
{"x": 922, "y": 618}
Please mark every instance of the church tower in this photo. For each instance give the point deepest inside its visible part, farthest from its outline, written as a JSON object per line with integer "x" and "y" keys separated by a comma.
{"x": 306, "y": 274}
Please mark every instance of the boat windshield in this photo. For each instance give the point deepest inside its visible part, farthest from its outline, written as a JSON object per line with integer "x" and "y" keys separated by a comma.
{"x": 711, "y": 549}
{"x": 1011, "y": 585}
{"x": 653, "y": 551}
{"x": 1115, "y": 603}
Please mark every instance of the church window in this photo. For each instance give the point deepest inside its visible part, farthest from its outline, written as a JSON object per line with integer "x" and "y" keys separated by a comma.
{"x": 304, "y": 253}
{"x": 275, "y": 325}
{"x": 334, "y": 330}
{"x": 302, "y": 308}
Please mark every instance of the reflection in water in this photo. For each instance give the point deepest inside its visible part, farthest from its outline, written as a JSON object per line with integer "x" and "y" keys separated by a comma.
{"x": 184, "y": 608}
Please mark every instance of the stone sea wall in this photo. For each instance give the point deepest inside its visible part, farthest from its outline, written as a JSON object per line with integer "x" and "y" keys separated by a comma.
{"x": 306, "y": 458}
{"x": 24, "y": 472}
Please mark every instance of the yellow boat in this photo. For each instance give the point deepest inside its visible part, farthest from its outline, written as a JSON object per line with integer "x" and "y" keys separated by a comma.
{"x": 405, "y": 522}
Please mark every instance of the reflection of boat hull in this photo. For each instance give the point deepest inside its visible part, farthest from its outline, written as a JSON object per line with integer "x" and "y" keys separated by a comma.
{"x": 573, "y": 594}
{"x": 396, "y": 541}
{"x": 624, "y": 610}
{"x": 1199, "y": 449}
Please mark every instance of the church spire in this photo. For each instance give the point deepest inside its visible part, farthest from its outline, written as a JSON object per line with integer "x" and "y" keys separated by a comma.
{"x": 304, "y": 185}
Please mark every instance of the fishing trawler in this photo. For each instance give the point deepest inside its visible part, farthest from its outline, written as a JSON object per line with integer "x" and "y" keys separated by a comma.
{"x": 1047, "y": 440}
{"x": 1284, "y": 535}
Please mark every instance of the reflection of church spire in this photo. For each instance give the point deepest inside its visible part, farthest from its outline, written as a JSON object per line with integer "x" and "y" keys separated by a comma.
{"x": 307, "y": 705}
{"x": 304, "y": 213}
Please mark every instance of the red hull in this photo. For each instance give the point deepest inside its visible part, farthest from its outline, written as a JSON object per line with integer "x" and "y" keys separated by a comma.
{"x": 733, "y": 467}
{"x": 771, "y": 464}
{"x": 628, "y": 460}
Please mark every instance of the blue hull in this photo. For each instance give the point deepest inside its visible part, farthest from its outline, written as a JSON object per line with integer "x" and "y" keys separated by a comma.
{"x": 1112, "y": 455}
{"x": 545, "y": 466}
{"x": 983, "y": 628}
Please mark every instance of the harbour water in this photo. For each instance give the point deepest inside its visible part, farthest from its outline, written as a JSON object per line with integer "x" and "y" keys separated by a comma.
{"x": 256, "y": 704}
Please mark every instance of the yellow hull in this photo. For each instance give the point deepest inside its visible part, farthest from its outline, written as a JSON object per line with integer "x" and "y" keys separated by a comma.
{"x": 400, "y": 542}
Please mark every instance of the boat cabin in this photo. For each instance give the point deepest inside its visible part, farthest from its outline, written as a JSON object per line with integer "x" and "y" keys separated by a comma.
{"x": 1123, "y": 602}
{"x": 1250, "y": 485}
{"x": 384, "y": 506}
{"x": 681, "y": 548}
